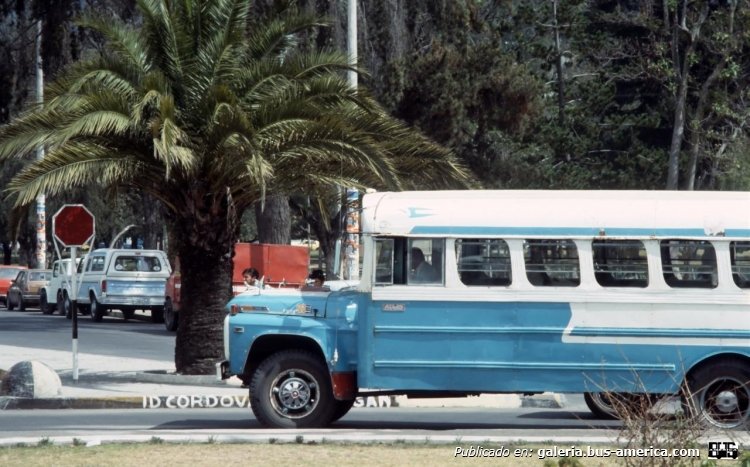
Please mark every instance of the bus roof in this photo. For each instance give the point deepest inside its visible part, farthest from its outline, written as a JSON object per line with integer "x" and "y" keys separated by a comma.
{"x": 579, "y": 213}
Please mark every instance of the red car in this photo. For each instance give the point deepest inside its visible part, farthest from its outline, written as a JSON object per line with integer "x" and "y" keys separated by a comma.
{"x": 7, "y": 274}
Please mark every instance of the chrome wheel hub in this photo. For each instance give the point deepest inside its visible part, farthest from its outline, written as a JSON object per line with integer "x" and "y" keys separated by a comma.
{"x": 294, "y": 393}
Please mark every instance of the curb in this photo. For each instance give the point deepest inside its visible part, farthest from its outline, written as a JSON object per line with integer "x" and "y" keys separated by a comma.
{"x": 504, "y": 401}
{"x": 155, "y": 376}
{"x": 20, "y": 403}
{"x": 193, "y": 401}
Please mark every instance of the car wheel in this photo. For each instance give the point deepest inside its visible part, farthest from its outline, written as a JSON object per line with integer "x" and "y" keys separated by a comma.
{"x": 292, "y": 389}
{"x": 128, "y": 313}
{"x": 21, "y": 304}
{"x": 67, "y": 307}
{"x": 719, "y": 395}
{"x": 10, "y": 305}
{"x": 157, "y": 314}
{"x": 170, "y": 316}
{"x": 97, "y": 312}
{"x": 44, "y": 305}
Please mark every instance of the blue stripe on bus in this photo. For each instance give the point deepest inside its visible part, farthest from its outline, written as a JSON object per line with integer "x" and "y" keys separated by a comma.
{"x": 570, "y": 231}
{"x": 578, "y": 331}
{"x": 527, "y": 365}
{"x": 644, "y": 332}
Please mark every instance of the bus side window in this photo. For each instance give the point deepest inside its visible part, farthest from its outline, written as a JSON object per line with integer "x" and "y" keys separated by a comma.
{"x": 483, "y": 262}
{"x": 740, "y": 256}
{"x": 384, "y": 261}
{"x": 390, "y": 261}
{"x": 552, "y": 262}
{"x": 425, "y": 261}
{"x": 620, "y": 263}
{"x": 689, "y": 264}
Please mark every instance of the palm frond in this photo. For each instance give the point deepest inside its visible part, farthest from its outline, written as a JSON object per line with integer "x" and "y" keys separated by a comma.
{"x": 70, "y": 166}
{"x": 122, "y": 41}
{"x": 275, "y": 37}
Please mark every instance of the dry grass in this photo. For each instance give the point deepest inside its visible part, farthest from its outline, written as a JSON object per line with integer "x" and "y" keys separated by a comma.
{"x": 361, "y": 455}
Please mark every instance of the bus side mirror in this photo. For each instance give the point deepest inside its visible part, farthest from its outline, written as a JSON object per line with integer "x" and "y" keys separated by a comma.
{"x": 350, "y": 313}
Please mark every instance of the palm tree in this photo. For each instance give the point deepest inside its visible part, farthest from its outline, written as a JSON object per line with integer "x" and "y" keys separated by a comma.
{"x": 209, "y": 111}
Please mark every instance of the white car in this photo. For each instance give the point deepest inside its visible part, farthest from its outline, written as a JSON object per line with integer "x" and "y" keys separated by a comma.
{"x": 124, "y": 279}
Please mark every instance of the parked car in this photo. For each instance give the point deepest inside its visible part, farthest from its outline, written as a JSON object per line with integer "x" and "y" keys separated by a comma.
{"x": 55, "y": 296}
{"x": 25, "y": 288}
{"x": 124, "y": 279}
{"x": 7, "y": 274}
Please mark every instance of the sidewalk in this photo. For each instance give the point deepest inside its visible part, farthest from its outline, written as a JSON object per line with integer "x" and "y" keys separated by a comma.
{"x": 121, "y": 382}
{"x": 110, "y": 382}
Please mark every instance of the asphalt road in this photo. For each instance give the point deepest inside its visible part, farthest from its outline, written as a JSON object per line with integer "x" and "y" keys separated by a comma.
{"x": 521, "y": 423}
{"x": 137, "y": 338}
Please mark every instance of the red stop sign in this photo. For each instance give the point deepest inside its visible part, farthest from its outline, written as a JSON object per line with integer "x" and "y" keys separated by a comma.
{"x": 73, "y": 225}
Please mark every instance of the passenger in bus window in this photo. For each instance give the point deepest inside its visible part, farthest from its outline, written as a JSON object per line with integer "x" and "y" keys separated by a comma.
{"x": 421, "y": 271}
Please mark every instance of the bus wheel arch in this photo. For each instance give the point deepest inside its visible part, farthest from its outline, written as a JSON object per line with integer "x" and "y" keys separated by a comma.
{"x": 716, "y": 391}
{"x": 265, "y": 346}
{"x": 292, "y": 389}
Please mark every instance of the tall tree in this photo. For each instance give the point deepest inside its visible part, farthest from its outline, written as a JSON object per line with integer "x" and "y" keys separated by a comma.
{"x": 209, "y": 112}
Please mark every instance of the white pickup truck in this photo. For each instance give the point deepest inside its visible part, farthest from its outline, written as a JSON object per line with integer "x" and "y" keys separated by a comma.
{"x": 125, "y": 280}
{"x": 55, "y": 295}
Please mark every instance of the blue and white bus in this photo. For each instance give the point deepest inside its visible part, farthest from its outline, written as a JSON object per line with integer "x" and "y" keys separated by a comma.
{"x": 469, "y": 292}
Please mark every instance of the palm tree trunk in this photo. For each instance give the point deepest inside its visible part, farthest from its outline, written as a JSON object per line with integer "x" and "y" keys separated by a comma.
{"x": 204, "y": 245}
{"x": 205, "y": 289}
{"x": 274, "y": 220}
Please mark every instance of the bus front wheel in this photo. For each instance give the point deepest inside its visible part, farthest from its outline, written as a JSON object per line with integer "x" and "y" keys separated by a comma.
{"x": 719, "y": 395}
{"x": 292, "y": 389}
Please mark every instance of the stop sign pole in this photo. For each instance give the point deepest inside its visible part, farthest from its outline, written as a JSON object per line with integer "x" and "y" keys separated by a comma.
{"x": 73, "y": 226}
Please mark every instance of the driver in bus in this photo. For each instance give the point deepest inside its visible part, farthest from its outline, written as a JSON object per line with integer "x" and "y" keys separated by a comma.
{"x": 421, "y": 271}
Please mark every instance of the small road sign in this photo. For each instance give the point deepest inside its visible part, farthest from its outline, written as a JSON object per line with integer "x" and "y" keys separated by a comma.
{"x": 73, "y": 225}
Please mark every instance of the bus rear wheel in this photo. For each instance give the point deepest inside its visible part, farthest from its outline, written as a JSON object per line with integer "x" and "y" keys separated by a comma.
{"x": 292, "y": 389}
{"x": 617, "y": 405}
{"x": 719, "y": 394}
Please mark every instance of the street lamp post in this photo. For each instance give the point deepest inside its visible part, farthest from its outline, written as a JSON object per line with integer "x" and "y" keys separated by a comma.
{"x": 41, "y": 199}
{"x": 351, "y": 257}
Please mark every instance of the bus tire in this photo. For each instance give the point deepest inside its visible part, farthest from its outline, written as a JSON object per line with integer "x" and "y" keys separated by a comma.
{"x": 719, "y": 394}
{"x": 600, "y": 405}
{"x": 292, "y": 389}
{"x": 342, "y": 408}
{"x": 618, "y": 405}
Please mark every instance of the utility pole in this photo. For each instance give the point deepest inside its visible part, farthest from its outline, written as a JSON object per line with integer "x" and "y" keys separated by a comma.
{"x": 41, "y": 199}
{"x": 351, "y": 257}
